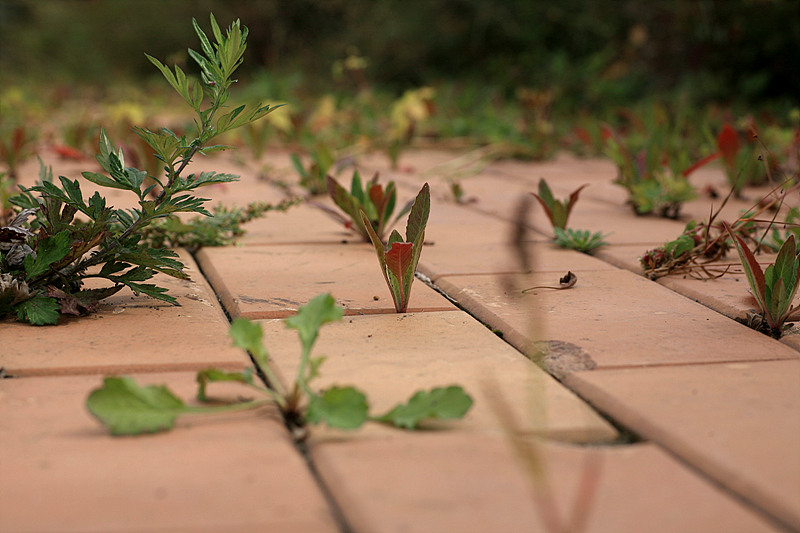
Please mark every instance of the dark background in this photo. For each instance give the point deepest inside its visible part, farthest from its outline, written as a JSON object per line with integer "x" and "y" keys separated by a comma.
{"x": 587, "y": 51}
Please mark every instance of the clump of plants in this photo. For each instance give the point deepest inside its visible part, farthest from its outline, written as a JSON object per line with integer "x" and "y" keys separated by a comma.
{"x": 312, "y": 178}
{"x": 652, "y": 174}
{"x": 698, "y": 249}
{"x": 774, "y": 288}
{"x": 399, "y": 259}
{"x": 125, "y": 408}
{"x": 377, "y": 203}
{"x": 60, "y": 240}
{"x": 558, "y": 212}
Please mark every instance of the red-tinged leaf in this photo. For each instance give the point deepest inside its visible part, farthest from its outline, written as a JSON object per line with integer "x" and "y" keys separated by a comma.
{"x": 703, "y": 162}
{"x": 606, "y": 132}
{"x": 399, "y": 262}
{"x": 728, "y": 144}
{"x": 572, "y": 199}
{"x": 67, "y": 152}
{"x": 583, "y": 135}
{"x": 19, "y": 139}
{"x": 376, "y": 196}
{"x": 547, "y": 210}
{"x": 399, "y": 259}
{"x": 755, "y": 276}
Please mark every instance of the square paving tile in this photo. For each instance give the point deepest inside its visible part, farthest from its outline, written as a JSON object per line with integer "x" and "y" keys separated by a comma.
{"x": 448, "y": 483}
{"x": 738, "y": 423}
{"x": 61, "y": 472}
{"x": 451, "y": 259}
{"x": 128, "y": 333}
{"x": 614, "y": 318}
{"x": 391, "y": 357}
{"x": 274, "y": 281}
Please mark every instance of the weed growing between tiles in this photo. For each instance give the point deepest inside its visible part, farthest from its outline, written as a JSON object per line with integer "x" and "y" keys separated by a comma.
{"x": 125, "y": 408}
{"x": 698, "y": 250}
{"x": 377, "y": 204}
{"x": 399, "y": 259}
{"x": 558, "y": 212}
{"x": 46, "y": 254}
{"x": 773, "y": 289}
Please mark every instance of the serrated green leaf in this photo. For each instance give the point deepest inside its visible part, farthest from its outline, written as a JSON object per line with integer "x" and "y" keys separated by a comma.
{"x": 39, "y": 311}
{"x": 440, "y": 403}
{"x": 50, "y": 250}
{"x": 338, "y": 407}
{"x": 310, "y": 317}
{"x": 159, "y": 293}
{"x": 125, "y": 408}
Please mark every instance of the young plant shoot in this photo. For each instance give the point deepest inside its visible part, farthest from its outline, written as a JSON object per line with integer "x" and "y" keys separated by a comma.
{"x": 774, "y": 288}
{"x": 45, "y": 262}
{"x": 125, "y": 408}
{"x": 378, "y": 204}
{"x": 399, "y": 259}
{"x": 557, "y": 211}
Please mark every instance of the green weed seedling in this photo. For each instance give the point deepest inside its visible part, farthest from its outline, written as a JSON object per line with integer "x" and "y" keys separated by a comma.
{"x": 125, "y": 408}
{"x": 44, "y": 262}
{"x": 580, "y": 240}
{"x": 371, "y": 199}
{"x": 313, "y": 177}
{"x": 399, "y": 259}
{"x": 774, "y": 288}
{"x": 652, "y": 186}
{"x": 557, "y": 211}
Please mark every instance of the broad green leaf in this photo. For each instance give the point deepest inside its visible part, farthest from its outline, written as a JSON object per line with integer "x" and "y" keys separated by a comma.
{"x": 679, "y": 246}
{"x": 210, "y": 375}
{"x": 418, "y": 218}
{"x": 125, "y": 408}
{"x": 50, "y": 250}
{"x": 339, "y": 407}
{"x": 39, "y": 311}
{"x": 310, "y": 317}
{"x": 755, "y": 276}
{"x": 249, "y": 336}
{"x": 440, "y": 403}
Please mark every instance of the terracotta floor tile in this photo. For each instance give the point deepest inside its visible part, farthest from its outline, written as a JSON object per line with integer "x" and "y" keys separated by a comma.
{"x": 738, "y": 423}
{"x": 62, "y": 472}
{"x": 445, "y": 259}
{"x": 616, "y": 318}
{"x": 300, "y": 224}
{"x": 128, "y": 334}
{"x": 391, "y": 357}
{"x": 449, "y": 483}
{"x": 273, "y": 281}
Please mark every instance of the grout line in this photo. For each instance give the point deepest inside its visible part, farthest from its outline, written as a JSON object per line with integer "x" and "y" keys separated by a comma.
{"x": 300, "y": 445}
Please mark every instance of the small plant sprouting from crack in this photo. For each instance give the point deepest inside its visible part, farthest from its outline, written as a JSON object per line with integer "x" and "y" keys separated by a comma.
{"x": 125, "y": 408}
{"x": 399, "y": 259}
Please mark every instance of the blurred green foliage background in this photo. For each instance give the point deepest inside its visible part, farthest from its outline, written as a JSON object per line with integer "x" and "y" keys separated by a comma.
{"x": 587, "y": 52}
